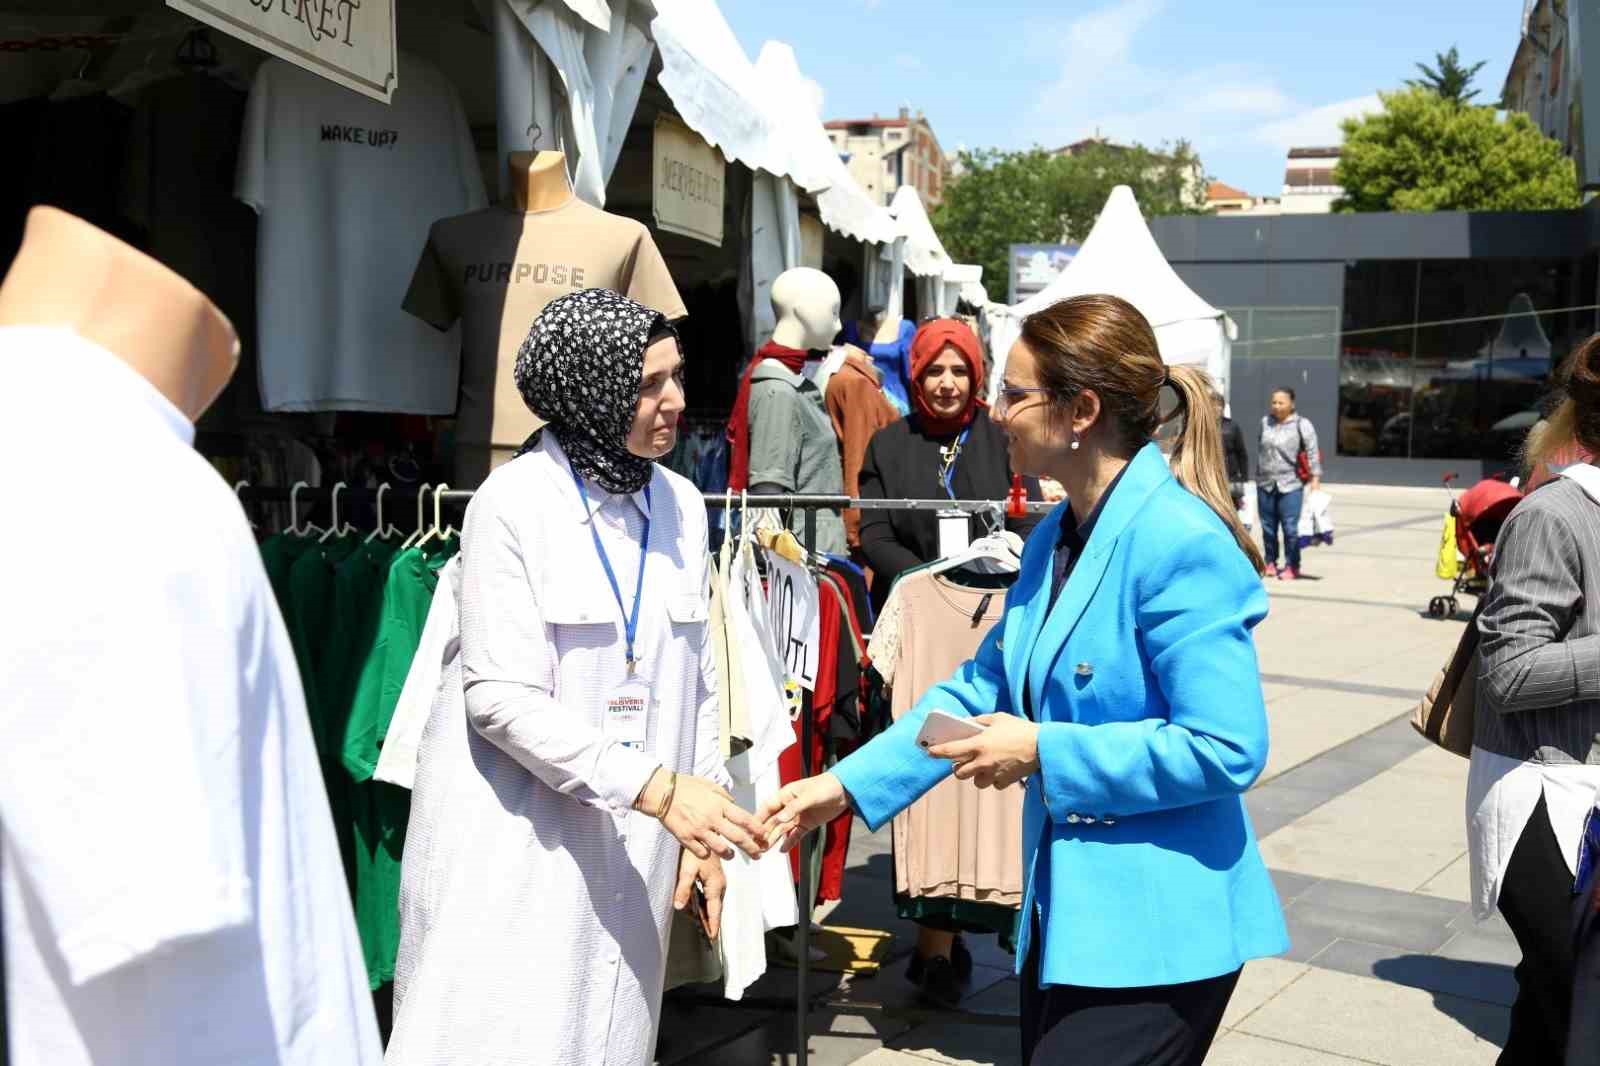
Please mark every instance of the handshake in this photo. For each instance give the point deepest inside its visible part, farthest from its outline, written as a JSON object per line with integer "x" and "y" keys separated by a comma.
{"x": 710, "y": 825}
{"x": 707, "y": 821}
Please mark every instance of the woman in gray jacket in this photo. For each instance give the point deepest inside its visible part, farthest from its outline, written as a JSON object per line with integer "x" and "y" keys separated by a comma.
{"x": 1536, "y": 745}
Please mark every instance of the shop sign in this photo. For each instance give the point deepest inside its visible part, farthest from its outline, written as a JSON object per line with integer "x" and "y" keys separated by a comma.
{"x": 689, "y": 183}
{"x": 349, "y": 42}
{"x": 1035, "y": 266}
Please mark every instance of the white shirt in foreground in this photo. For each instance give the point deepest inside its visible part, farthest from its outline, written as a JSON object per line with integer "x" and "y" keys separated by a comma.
{"x": 173, "y": 893}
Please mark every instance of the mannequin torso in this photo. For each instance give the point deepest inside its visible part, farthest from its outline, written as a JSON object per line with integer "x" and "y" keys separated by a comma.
{"x": 123, "y": 301}
{"x": 539, "y": 180}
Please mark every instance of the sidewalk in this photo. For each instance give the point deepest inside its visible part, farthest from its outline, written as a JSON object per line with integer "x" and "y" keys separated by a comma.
{"x": 1359, "y": 819}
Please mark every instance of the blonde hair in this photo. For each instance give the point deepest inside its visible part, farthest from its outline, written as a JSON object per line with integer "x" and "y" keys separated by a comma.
{"x": 1577, "y": 417}
{"x": 1103, "y": 343}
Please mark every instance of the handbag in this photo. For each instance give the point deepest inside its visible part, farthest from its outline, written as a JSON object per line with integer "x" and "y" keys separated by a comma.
{"x": 1445, "y": 714}
{"x": 1302, "y": 458}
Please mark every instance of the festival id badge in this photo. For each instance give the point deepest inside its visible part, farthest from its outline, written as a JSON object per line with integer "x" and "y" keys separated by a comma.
{"x": 627, "y": 714}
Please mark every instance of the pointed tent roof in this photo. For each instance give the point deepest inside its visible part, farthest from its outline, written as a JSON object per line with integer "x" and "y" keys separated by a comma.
{"x": 1121, "y": 258}
{"x": 925, "y": 254}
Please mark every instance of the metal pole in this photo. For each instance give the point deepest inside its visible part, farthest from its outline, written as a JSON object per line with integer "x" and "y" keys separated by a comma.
{"x": 807, "y": 844}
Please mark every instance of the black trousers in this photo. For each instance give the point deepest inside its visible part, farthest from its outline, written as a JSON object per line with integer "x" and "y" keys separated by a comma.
{"x": 1536, "y": 900}
{"x": 1156, "y": 1025}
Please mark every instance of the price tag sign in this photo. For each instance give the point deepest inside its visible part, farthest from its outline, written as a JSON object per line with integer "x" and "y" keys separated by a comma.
{"x": 792, "y": 604}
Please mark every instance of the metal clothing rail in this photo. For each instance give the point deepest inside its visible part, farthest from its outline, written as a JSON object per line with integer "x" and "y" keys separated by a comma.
{"x": 714, "y": 500}
{"x": 809, "y": 505}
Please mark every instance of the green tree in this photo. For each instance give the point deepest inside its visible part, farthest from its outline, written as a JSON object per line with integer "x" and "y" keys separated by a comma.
{"x": 1450, "y": 80}
{"x": 1039, "y": 197}
{"x": 1426, "y": 153}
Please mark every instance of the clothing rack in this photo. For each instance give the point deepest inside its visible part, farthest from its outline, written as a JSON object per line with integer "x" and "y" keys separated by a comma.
{"x": 715, "y": 500}
{"x": 809, "y": 505}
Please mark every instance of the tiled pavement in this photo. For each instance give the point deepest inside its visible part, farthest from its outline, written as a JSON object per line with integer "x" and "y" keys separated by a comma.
{"x": 1360, "y": 821}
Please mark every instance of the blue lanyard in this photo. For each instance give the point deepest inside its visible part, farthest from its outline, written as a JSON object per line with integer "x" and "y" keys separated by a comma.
{"x": 947, "y": 469}
{"x": 632, "y": 629}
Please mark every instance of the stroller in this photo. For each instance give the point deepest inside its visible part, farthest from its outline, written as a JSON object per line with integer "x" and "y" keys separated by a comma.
{"x": 1478, "y": 513}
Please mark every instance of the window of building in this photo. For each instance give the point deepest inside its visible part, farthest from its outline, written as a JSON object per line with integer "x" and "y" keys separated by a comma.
{"x": 1449, "y": 358}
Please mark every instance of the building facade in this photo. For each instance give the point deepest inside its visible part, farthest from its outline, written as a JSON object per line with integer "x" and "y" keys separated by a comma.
{"x": 1225, "y": 201}
{"x": 883, "y": 154}
{"x": 1308, "y": 185}
{"x": 1416, "y": 343}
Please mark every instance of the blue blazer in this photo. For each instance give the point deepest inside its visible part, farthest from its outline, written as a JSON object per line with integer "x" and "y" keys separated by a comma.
{"x": 1137, "y": 850}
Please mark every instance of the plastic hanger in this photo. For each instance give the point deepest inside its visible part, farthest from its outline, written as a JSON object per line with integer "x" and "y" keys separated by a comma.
{"x": 997, "y": 553}
{"x": 334, "y": 529}
{"x": 416, "y": 534}
{"x": 439, "y": 530}
{"x": 295, "y": 528}
{"x": 379, "y": 530}
{"x": 239, "y": 486}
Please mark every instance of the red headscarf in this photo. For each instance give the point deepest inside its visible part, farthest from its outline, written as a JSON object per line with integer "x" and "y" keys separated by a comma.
{"x": 739, "y": 421}
{"x": 926, "y": 346}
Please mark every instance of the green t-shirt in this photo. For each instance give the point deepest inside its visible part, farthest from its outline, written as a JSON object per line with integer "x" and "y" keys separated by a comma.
{"x": 413, "y": 576}
{"x": 309, "y": 621}
{"x": 382, "y": 810}
{"x": 278, "y": 554}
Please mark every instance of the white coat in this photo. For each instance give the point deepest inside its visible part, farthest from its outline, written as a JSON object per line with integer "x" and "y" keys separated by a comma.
{"x": 535, "y": 904}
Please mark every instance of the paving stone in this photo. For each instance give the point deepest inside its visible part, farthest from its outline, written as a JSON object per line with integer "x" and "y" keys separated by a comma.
{"x": 833, "y": 1039}
{"x": 1380, "y": 1022}
{"x": 1472, "y": 945}
{"x": 1242, "y": 1049}
{"x": 958, "y": 1044}
{"x": 1470, "y": 979}
{"x": 1258, "y": 983}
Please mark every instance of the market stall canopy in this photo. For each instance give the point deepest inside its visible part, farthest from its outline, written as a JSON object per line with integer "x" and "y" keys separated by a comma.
{"x": 715, "y": 88}
{"x": 925, "y": 254}
{"x": 814, "y": 163}
{"x": 1120, "y": 258}
{"x": 965, "y": 280}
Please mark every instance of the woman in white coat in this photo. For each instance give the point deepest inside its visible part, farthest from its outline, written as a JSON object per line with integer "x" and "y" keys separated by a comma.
{"x": 578, "y": 796}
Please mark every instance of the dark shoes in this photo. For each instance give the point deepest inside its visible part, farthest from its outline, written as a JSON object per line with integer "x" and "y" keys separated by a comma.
{"x": 941, "y": 979}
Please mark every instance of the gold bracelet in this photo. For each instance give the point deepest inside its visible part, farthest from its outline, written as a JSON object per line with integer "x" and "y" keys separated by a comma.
{"x": 666, "y": 803}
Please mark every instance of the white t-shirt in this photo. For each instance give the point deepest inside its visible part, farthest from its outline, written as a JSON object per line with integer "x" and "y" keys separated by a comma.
{"x": 347, "y": 189}
{"x": 173, "y": 892}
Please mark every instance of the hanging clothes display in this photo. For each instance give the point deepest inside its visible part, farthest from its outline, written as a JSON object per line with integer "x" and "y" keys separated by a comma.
{"x": 356, "y": 606}
{"x": 346, "y": 188}
{"x": 958, "y": 850}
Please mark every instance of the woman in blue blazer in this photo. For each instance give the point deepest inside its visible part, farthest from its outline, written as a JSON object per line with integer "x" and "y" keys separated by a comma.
{"x": 1121, "y": 689}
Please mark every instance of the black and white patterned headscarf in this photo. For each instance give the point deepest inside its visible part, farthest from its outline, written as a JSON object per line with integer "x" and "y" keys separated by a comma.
{"x": 580, "y": 370}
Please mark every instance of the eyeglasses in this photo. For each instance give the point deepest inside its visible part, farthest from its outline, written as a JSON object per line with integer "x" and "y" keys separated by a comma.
{"x": 1010, "y": 395}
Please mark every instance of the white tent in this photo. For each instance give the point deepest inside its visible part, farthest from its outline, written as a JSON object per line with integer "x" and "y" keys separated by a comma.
{"x": 1120, "y": 257}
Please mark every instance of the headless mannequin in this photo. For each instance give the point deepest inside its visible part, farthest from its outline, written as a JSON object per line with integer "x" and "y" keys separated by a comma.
{"x": 539, "y": 180}
{"x": 806, "y": 302}
{"x": 123, "y": 301}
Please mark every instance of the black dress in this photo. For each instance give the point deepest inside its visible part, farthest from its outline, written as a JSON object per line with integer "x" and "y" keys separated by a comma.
{"x": 902, "y": 462}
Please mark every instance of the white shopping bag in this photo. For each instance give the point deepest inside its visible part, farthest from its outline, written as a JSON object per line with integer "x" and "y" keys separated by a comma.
{"x": 1316, "y": 519}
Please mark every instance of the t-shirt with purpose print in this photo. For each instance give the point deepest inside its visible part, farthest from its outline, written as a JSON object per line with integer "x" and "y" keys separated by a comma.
{"x": 495, "y": 270}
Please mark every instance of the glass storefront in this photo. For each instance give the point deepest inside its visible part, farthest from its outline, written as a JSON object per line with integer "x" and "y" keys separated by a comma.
{"x": 1448, "y": 358}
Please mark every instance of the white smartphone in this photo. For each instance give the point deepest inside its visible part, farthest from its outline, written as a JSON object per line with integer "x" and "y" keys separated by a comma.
{"x": 941, "y": 727}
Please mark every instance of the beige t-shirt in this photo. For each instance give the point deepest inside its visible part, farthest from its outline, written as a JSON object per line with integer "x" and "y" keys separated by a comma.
{"x": 495, "y": 270}
{"x": 959, "y": 841}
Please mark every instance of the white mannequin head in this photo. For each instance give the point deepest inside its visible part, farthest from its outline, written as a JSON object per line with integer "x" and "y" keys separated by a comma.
{"x": 806, "y": 302}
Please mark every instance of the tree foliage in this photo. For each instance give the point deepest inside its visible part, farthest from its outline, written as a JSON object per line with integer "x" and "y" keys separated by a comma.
{"x": 1424, "y": 152}
{"x": 1449, "y": 78}
{"x": 1038, "y": 197}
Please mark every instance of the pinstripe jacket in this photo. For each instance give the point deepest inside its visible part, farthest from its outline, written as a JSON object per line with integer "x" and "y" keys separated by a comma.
{"x": 1539, "y": 668}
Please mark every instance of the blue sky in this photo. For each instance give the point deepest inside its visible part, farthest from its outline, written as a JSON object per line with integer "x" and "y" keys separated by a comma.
{"x": 1242, "y": 81}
